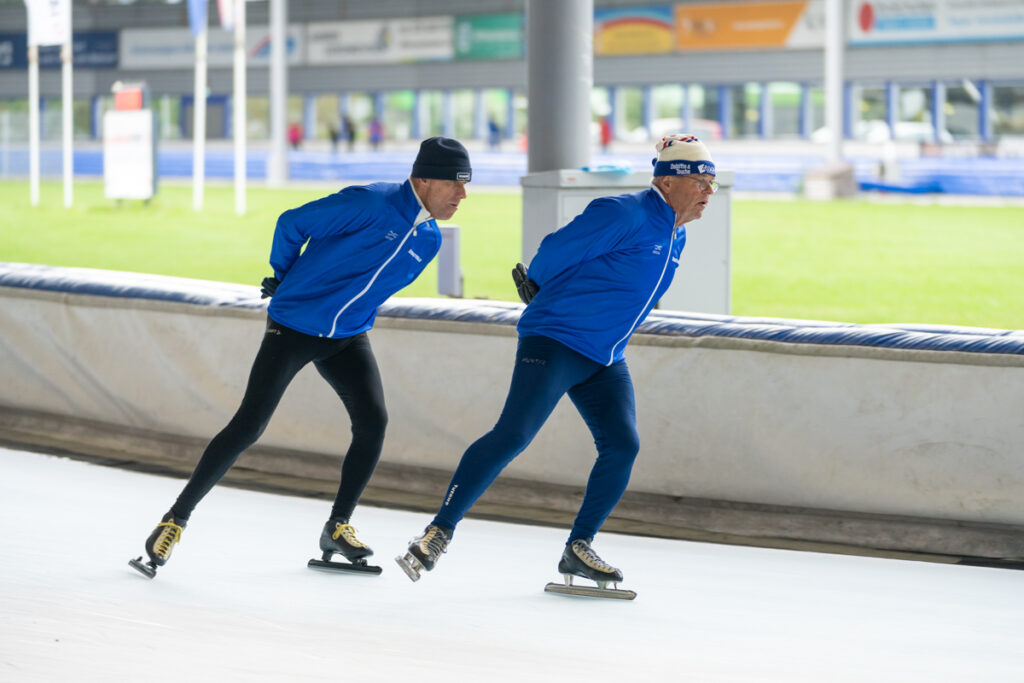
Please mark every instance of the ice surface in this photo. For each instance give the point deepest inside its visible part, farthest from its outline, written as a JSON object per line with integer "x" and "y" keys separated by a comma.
{"x": 237, "y": 603}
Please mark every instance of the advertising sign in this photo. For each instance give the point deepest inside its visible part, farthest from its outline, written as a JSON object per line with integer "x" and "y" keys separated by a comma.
{"x": 174, "y": 48}
{"x": 750, "y": 25}
{"x": 129, "y": 154}
{"x": 380, "y": 41}
{"x": 633, "y": 31}
{"x": 489, "y": 36}
{"x": 92, "y": 50}
{"x": 12, "y": 51}
{"x": 900, "y": 22}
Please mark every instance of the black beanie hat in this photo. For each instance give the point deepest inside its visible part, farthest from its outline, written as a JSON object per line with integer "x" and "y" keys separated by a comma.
{"x": 442, "y": 158}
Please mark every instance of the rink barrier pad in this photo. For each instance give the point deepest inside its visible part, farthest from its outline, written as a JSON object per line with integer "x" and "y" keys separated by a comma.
{"x": 65, "y": 394}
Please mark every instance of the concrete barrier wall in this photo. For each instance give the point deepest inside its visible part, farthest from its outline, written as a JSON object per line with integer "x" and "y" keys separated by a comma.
{"x": 912, "y": 421}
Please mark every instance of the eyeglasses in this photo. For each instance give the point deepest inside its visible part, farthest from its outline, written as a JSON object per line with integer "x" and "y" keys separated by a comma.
{"x": 705, "y": 185}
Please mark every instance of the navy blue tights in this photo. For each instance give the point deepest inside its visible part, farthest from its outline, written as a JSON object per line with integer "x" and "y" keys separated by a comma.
{"x": 545, "y": 370}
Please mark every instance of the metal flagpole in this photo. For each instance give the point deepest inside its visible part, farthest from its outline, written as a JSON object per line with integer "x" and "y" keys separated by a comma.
{"x": 240, "y": 108}
{"x": 277, "y": 162}
{"x": 33, "y": 124}
{"x": 197, "y": 22}
{"x": 199, "y": 125}
{"x": 834, "y": 39}
{"x": 67, "y": 113}
{"x": 49, "y": 23}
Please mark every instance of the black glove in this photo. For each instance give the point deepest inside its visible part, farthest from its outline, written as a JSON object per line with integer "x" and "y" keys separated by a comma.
{"x": 526, "y": 287}
{"x": 269, "y": 286}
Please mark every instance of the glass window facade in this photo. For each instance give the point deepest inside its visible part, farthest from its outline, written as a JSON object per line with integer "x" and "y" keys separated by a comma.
{"x": 1008, "y": 110}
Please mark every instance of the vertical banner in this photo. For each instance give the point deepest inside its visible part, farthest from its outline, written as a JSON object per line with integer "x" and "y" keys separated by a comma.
{"x": 197, "y": 16}
{"x": 49, "y": 22}
{"x": 226, "y": 9}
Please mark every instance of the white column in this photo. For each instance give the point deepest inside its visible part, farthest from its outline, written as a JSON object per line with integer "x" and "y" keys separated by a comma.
{"x": 560, "y": 76}
{"x": 277, "y": 161}
{"x": 834, "y": 43}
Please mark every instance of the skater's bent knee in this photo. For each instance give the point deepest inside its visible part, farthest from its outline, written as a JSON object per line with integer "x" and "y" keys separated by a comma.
{"x": 625, "y": 446}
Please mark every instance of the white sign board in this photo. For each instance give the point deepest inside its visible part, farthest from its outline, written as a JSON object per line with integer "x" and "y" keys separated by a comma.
{"x": 129, "y": 159}
{"x": 897, "y": 22}
{"x": 381, "y": 41}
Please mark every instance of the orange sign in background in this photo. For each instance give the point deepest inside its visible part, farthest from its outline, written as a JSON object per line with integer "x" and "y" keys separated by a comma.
{"x": 737, "y": 26}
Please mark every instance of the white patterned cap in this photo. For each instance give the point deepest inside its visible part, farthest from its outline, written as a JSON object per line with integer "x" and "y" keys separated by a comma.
{"x": 682, "y": 154}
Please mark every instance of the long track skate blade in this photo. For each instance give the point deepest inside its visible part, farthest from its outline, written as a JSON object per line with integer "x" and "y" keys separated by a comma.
{"x": 345, "y": 567}
{"x": 144, "y": 568}
{"x": 590, "y": 591}
{"x": 410, "y": 565}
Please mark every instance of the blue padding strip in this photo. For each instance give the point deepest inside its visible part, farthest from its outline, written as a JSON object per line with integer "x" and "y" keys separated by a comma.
{"x": 666, "y": 323}
{"x": 125, "y": 285}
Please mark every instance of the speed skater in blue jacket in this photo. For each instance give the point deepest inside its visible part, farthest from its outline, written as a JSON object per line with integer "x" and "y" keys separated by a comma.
{"x": 586, "y": 290}
{"x": 335, "y": 261}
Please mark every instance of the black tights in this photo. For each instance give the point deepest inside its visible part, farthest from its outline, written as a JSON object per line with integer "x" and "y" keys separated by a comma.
{"x": 349, "y": 367}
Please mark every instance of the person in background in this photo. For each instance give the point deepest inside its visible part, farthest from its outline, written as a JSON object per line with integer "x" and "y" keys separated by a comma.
{"x": 606, "y": 133}
{"x": 335, "y": 261}
{"x": 493, "y": 135}
{"x": 334, "y": 134}
{"x": 294, "y": 135}
{"x": 350, "y": 132}
{"x": 376, "y": 133}
{"x": 587, "y": 289}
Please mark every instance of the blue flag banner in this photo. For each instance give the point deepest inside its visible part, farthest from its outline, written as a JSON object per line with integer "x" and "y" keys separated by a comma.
{"x": 197, "y": 16}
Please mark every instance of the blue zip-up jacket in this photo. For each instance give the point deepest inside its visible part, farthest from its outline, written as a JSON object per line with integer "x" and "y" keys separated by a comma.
{"x": 601, "y": 274}
{"x": 362, "y": 245}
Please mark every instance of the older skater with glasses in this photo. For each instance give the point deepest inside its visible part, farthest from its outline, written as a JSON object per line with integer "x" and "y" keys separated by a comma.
{"x": 589, "y": 286}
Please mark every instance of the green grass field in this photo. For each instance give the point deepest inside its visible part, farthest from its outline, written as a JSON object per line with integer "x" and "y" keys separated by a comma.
{"x": 851, "y": 261}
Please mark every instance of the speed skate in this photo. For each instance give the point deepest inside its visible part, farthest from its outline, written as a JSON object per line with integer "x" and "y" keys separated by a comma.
{"x": 339, "y": 538}
{"x": 411, "y": 566}
{"x": 579, "y": 559}
{"x": 148, "y": 569}
{"x": 424, "y": 551}
{"x": 599, "y": 591}
{"x": 358, "y": 566}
